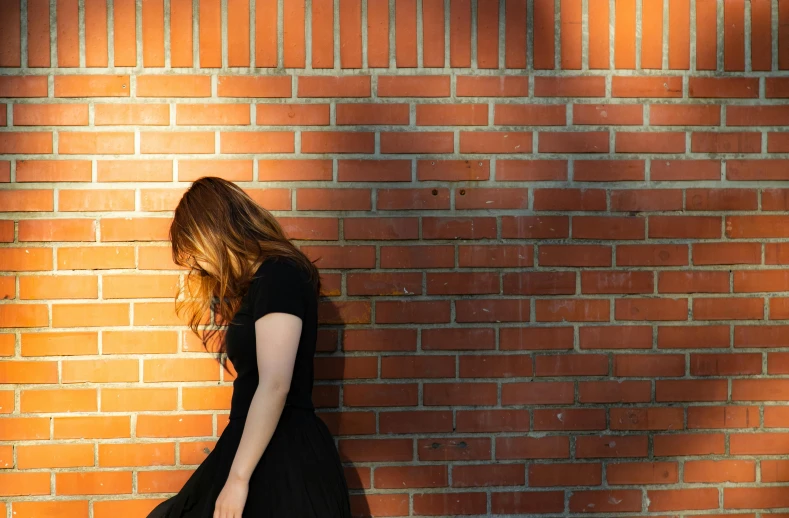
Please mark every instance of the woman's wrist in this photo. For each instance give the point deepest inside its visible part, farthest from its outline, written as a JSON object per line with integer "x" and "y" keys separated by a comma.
{"x": 236, "y": 476}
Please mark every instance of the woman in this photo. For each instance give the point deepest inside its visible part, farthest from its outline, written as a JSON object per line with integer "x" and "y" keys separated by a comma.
{"x": 276, "y": 458}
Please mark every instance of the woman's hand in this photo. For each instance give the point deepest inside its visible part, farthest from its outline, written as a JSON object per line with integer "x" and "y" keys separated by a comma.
{"x": 232, "y": 498}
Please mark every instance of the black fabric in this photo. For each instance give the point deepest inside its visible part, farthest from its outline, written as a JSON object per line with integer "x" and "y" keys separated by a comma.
{"x": 299, "y": 474}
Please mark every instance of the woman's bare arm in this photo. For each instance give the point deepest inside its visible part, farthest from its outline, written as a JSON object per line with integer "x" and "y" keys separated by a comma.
{"x": 276, "y": 341}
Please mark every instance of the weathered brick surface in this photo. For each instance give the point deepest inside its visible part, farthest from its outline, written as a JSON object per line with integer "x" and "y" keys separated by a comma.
{"x": 550, "y": 233}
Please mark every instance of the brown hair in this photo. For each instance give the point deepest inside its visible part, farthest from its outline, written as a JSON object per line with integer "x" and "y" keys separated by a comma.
{"x": 219, "y": 224}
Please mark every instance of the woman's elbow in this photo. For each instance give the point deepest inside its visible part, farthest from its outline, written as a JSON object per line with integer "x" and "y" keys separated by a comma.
{"x": 274, "y": 387}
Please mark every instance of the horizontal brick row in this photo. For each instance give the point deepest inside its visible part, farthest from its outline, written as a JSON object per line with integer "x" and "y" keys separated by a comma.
{"x": 391, "y": 86}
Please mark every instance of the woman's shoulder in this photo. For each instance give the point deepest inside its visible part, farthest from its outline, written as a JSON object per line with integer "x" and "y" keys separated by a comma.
{"x": 280, "y": 268}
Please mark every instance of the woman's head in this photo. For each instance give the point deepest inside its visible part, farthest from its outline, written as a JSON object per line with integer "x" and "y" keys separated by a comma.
{"x": 221, "y": 235}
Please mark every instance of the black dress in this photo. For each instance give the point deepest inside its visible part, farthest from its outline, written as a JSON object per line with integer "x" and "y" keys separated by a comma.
{"x": 299, "y": 474}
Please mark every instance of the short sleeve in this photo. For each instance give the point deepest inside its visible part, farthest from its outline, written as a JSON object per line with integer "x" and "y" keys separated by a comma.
{"x": 279, "y": 289}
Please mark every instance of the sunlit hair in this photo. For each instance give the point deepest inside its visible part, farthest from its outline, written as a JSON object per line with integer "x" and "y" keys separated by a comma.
{"x": 217, "y": 223}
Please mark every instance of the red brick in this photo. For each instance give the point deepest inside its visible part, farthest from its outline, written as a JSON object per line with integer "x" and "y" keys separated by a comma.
{"x": 454, "y": 449}
{"x": 417, "y": 367}
{"x": 715, "y": 417}
{"x": 570, "y": 199}
{"x": 728, "y": 309}
{"x": 24, "y": 86}
{"x": 607, "y": 446}
{"x": 711, "y": 471}
{"x": 574, "y": 255}
{"x": 682, "y": 499}
{"x": 322, "y": 34}
{"x": 530, "y": 115}
{"x": 537, "y": 393}
{"x": 757, "y": 115}
{"x": 725, "y": 142}
{"x": 574, "y": 365}
{"x": 508, "y": 502}
{"x": 531, "y": 170}
{"x": 50, "y": 114}
{"x": 451, "y": 115}
{"x": 744, "y": 170}
{"x": 615, "y": 337}
{"x": 369, "y": 114}
{"x": 685, "y": 115}
{"x": 405, "y": 34}
{"x": 373, "y": 170}
{"x": 492, "y": 421}
{"x": 459, "y": 394}
{"x": 615, "y": 391}
{"x": 38, "y": 142}
{"x": 608, "y": 114}
{"x": 651, "y": 309}
{"x": 572, "y": 310}
{"x": 500, "y": 86}
{"x": 411, "y": 476}
{"x": 777, "y": 143}
{"x": 515, "y": 34}
{"x": 638, "y": 200}
{"x": 694, "y": 337}
{"x": 573, "y": 142}
{"x": 581, "y": 86}
{"x": 772, "y": 470}
{"x": 455, "y": 170}
{"x": 493, "y": 475}
{"x": 599, "y": 23}
{"x": 570, "y": 35}
{"x": 606, "y": 501}
{"x": 627, "y": 473}
{"x": 654, "y": 418}
{"x": 433, "y": 32}
{"x": 691, "y": 390}
{"x": 253, "y": 86}
{"x": 419, "y": 421}
{"x": 413, "y": 86}
{"x": 173, "y": 86}
{"x": 723, "y": 87}
{"x": 495, "y": 142}
{"x": 544, "y": 22}
{"x": 574, "y": 419}
{"x": 726, "y": 253}
{"x": 322, "y": 86}
{"x": 760, "y": 336}
{"x": 608, "y": 227}
{"x": 641, "y": 365}
{"x": 420, "y": 142}
{"x": 535, "y": 338}
{"x": 652, "y": 255}
{"x": 539, "y": 283}
{"x": 766, "y": 443}
{"x": 693, "y": 282}
{"x": 571, "y": 474}
{"x": 650, "y": 142}
{"x": 686, "y": 170}
{"x": 646, "y": 87}
{"x": 776, "y": 87}
{"x": 450, "y": 503}
{"x": 759, "y": 390}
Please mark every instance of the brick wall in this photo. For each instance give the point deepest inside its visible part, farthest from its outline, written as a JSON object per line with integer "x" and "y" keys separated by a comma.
{"x": 550, "y": 232}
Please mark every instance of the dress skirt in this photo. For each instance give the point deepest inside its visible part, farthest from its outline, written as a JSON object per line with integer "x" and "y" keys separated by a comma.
{"x": 299, "y": 475}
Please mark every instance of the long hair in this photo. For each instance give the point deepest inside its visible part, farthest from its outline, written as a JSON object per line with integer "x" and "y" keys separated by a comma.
{"x": 217, "y": 223}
